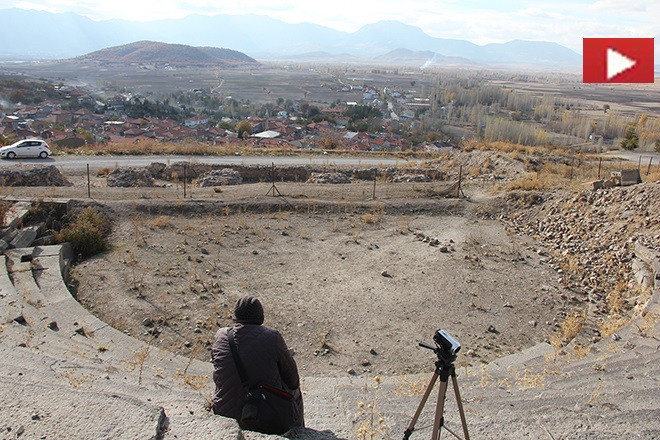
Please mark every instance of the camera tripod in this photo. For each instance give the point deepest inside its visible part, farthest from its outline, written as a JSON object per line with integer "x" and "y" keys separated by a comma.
{"x": 444, "y": 368}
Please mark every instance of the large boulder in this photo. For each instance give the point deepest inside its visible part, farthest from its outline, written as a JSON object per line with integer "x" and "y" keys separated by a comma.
{"x": 224, "y": 176}
{"x": 191, "y": 171}
{"x": 38, "y": 176}
{"x": 128, "y": 177}
{"x": 329, "y": 178}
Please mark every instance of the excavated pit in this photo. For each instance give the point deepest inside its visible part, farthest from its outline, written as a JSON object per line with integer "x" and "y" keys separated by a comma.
{"x": 352, "y": 286}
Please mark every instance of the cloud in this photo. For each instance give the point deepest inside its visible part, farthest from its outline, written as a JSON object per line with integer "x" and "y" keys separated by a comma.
{"x": 623, "y": 6}
{"x": 540, "y": 13}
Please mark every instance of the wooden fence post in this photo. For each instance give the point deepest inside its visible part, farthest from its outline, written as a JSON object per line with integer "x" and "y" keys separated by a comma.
{"x": 185, "y": 179}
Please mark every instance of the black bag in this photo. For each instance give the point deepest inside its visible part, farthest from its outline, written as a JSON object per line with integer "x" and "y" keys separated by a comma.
{"x": 267, "y": 409}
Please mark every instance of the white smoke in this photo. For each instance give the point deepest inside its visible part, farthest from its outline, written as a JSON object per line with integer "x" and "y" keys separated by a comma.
{"x": 428, "y": 63}
{"x": 5, "y": 105}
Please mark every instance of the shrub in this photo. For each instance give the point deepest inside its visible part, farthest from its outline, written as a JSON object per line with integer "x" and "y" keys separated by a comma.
{"x": 87, "y": 233}
{"x": 103, "y": 172}
{"x": 4, "y": 207}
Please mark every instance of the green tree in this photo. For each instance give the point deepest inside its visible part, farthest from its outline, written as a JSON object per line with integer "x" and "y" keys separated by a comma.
{"x": 244, "y": 129}
{"x": 630, "y": 140}
{"x": 17, "y": 96}
{"x": 87, "y": 135}
{"x": 357, "y": 112}
{"x": 225, "y": 125}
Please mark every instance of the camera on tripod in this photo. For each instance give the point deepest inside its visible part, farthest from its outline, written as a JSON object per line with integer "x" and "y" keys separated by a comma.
{"x": 446, "y": 346}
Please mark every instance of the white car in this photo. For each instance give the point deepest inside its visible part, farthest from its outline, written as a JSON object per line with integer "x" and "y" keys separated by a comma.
{"x": 26, "y": 148}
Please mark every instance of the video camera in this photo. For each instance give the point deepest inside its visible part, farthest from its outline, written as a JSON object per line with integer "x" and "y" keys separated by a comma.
{"x": 446, "y": 346}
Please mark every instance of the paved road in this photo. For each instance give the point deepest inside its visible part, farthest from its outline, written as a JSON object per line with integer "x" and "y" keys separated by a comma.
{"x": 77, "y": 163}
{"x": 634, "y": 156}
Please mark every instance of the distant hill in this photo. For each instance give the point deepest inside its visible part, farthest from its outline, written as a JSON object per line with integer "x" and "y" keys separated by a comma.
{"x": 424, "y": 58}
{"x": 151, "y": 52}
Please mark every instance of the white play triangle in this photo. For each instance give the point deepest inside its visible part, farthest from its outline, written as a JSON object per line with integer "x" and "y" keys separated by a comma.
{"x": 617, "y": 63}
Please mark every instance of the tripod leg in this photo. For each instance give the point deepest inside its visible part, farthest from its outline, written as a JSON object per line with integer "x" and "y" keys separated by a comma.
{"x": 439, "y": 408}
{"x": 459, "y": 402}
{"x": 429, "y": 388}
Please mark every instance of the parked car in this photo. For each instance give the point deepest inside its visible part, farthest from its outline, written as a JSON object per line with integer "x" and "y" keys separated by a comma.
{"x": 26, "y": 148}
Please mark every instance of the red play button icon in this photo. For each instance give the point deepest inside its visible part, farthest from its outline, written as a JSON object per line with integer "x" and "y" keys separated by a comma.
{"x": 617, "y": 60}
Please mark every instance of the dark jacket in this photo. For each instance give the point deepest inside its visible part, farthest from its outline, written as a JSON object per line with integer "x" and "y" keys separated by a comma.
{"x": 265, "y": 357}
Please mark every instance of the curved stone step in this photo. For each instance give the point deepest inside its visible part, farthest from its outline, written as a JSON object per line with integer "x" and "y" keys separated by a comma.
{"x": 19, "y": 266}
{"x": 13, "y": 305}
{"x": 48, "y": 264}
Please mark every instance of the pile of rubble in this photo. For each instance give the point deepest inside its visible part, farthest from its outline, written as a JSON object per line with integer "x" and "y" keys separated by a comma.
{"x": 224, "y": 176}
{"x": 38, "y": 176}
{"x": 591, "y": 237}
{"x": 329, "y": 178}
{"x": 129, "y": 177}
{"x": 14, "y": 235}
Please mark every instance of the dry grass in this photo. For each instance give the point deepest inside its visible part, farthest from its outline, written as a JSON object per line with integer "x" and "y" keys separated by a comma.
{"x": 137, "y": 361}
{"x": 160, "y": 222}
{"x": 617, "y": 297}
{"x": 612, "y": 324}
{"x": 195, "y": 382}
{"x": 570, "y": 265}
{"x": 104, "y": 172}
{"x": 510, "y": 148}
{"x": 562, "y": 169}
{"x": 569, "y": 329}
{"x": 649, "y": 323}
{"x": 145, "y": 147}
{"x": 370, "y": 422}
{"x": 530, "y": 182}
{"x": 4, "y": 207}
{"x": 597, "y": 390}
{"x": 77, "y": 380}
{"x": 529, "y": 381}
{"x": 403, "y": 226}
{"x": 409, "y": 387}
{"x": 653, "y": 176}
{"x": 370, "y": 218}
{"x": 193, "y": 147}
{"x": 484, "y": 168}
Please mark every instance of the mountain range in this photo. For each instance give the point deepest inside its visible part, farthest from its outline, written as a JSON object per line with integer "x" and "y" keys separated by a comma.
{"x": 29, "y": 34}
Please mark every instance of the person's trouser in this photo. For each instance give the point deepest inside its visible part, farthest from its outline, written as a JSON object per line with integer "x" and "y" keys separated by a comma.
{"x": 298, "y": 409}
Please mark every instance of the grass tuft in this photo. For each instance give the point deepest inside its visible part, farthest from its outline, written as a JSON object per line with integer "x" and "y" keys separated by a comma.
{"x": 87, "y": 233}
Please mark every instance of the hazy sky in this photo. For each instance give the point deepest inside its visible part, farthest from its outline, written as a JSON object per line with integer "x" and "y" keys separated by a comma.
{"x": 563, "y": 21}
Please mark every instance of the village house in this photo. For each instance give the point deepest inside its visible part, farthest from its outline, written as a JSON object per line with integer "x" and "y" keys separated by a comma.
{"x": 194, "y": 122}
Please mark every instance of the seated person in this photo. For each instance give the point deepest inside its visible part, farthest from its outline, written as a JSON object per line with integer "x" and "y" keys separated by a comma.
{"x": 265, "y": 358}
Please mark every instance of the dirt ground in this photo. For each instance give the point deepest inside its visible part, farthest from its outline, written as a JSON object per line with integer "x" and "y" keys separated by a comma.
{"x": 353, "y": 284}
